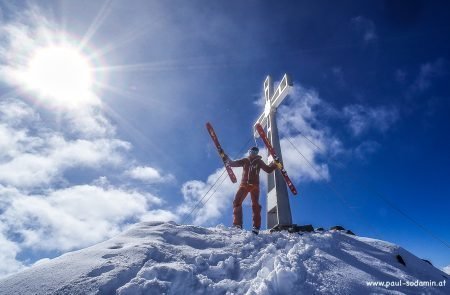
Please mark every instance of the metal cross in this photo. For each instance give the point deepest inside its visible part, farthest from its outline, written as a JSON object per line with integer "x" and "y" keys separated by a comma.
{"x": 278, "y": 207}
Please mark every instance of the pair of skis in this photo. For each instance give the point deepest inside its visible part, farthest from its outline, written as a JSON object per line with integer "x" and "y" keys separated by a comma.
{"x": 270, "y": 148}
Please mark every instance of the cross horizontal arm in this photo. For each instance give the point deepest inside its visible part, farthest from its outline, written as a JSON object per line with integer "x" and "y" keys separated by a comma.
{"x": 277, "y": 98}
{"x": 281, "y": 92}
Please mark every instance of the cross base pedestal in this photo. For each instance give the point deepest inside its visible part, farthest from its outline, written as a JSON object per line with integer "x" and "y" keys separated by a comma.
{"x": 293, "y": 228}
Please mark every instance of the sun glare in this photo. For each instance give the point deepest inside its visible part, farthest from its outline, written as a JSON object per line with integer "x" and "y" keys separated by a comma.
{"x": 60, "y": 75}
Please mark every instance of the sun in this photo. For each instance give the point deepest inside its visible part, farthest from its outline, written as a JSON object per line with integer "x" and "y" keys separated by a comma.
{"x": 60, "y": 75}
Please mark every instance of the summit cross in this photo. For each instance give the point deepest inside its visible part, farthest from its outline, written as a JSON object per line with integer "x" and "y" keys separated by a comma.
{"x": 278, "y": 207}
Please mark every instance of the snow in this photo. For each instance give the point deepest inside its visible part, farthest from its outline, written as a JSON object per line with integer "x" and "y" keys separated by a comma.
{"x": 166, "y": 258}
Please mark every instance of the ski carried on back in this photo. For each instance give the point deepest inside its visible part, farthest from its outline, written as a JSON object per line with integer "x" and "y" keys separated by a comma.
{"x": 263, "y": 136}
{"x": 213, "y": 135}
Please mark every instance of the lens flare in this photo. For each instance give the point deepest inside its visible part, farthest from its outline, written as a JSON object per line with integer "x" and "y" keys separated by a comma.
{"x": 60, "y": 75}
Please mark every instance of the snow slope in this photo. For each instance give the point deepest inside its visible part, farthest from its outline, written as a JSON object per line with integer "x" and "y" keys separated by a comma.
{"x": 166, "y": 258}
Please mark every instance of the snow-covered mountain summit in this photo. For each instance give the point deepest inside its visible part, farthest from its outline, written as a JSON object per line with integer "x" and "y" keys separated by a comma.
{"x": 166, "y": 258}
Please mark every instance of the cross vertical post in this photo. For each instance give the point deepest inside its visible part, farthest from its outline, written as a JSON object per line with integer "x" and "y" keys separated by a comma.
{"x": 278, "y": 207}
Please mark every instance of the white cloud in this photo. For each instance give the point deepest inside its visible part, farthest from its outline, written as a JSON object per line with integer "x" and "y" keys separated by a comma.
{"x": 89, "y": 123}
{"x": 159, "y": 215}
{"x": 37, "y": 169}
{"x": 73, "y": 217}
{"x": 38, "y": 155}
{"x": 447, "y": 269}
{"x": 302, "y": 169}
{"x": 215, "y": 202}
{"x": 16, "y": 112}
{"x": 427, "y": 72}
{"x": 148, "y": 174}
{"x": 14, "y": 139}
{"x": 365, "y": 149}
{"x": 361, "y": 118}
{"x": 366, "y": 28}
{"x": 69, "y": 218}
{"x": 301, "y": 113}
{"x": 301, "y": 118}
{"x": 8, "y": 253}
{"x": 34, "y": 157}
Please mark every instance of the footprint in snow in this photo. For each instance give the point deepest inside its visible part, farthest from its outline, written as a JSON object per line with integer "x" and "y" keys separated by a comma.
{"x": 117, "y": 246}
{"x": 106, "y": 256}
{"x": 101, "y": 270}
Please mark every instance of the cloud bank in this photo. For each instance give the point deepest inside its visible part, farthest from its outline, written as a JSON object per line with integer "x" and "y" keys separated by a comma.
{"x": 55, "y": 194}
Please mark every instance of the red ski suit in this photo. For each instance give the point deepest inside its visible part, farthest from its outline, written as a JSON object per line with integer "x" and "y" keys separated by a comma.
{"x": 249, "y": 184}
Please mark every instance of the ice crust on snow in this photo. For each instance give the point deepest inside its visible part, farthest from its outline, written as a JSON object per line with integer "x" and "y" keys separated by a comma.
{"x": 166, "y": 258}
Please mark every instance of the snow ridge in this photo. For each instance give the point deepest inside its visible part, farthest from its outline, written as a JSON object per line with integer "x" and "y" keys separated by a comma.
{"x": 166, "y": 258}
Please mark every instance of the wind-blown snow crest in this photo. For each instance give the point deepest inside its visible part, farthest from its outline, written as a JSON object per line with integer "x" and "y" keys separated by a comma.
{"x": 166, "y": 258}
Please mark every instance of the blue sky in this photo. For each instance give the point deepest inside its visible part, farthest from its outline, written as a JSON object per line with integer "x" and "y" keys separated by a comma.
{"x": 370, "y": 89}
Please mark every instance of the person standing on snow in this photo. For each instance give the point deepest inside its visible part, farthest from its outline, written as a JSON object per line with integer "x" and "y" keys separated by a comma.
{"x": 249, "y": 184}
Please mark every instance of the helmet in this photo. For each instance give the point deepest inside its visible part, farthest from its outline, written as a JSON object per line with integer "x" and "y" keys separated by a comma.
{"x": 253, "y": 151}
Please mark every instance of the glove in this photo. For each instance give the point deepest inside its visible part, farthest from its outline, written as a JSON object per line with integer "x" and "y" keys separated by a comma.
{"x": 278, "y": 164}
{"x": 222, "y": 154}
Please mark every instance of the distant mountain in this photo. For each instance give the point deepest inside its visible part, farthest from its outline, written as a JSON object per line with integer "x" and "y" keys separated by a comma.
{"x": 166, "y": 258}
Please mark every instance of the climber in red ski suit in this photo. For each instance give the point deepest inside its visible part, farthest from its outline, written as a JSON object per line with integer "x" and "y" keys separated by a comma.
{"x": 249, "y": 184}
